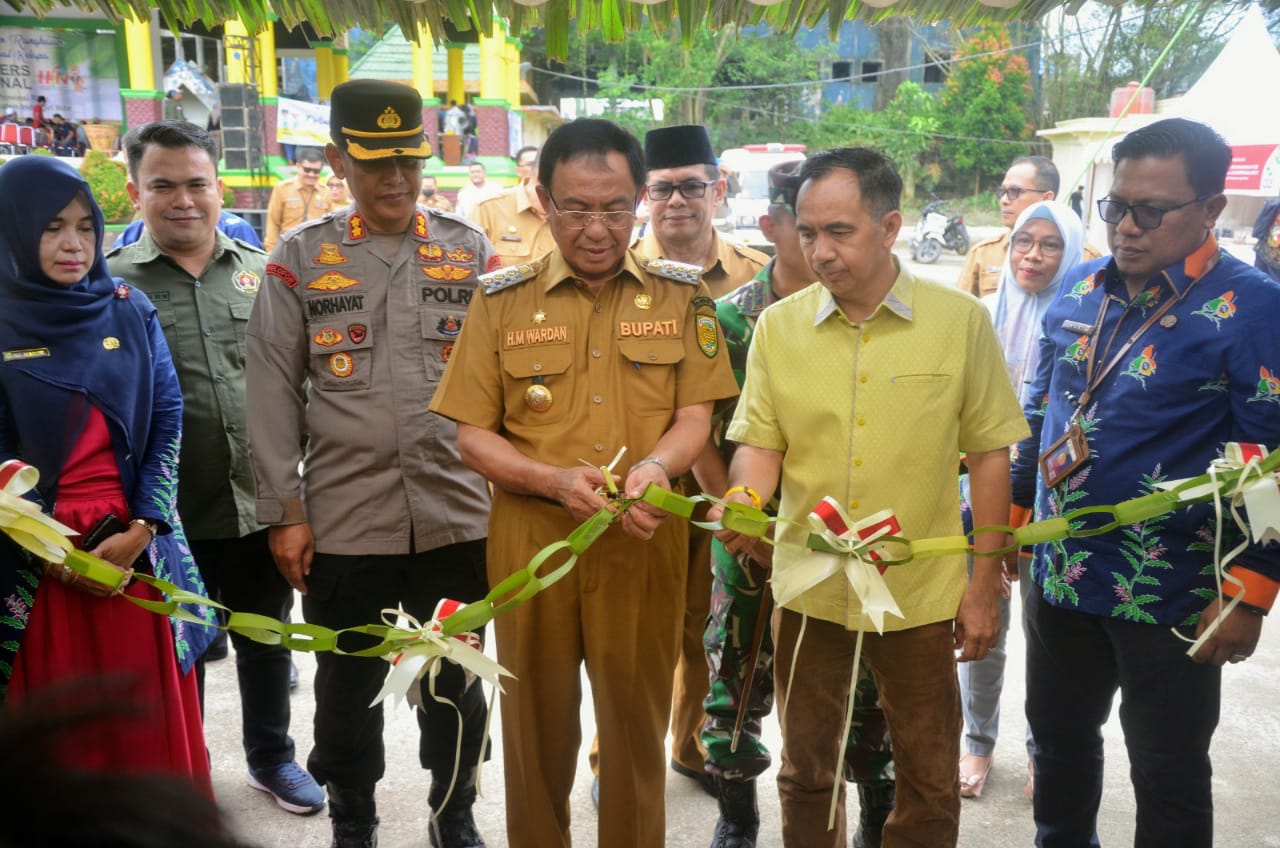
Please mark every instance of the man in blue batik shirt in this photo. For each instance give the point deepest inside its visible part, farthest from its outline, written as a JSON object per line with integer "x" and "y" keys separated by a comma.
{"x": 1156, "y": 357}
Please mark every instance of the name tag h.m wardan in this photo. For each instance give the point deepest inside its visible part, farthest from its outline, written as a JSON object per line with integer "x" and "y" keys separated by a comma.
{"x": 537, "y": 335}
{"x": 322, "y": 307}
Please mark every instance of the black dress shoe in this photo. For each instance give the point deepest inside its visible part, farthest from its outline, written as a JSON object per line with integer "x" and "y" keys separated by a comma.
{"x": 706, "y": 781}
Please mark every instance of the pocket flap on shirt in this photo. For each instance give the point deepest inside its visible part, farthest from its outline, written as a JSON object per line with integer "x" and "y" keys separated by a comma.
{"x": 537, "y": 361}
{"x": 241, "y": 309}
{"x": 652, "y": 351}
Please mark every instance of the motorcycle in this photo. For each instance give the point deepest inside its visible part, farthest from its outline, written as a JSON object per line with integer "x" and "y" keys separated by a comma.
{"x": 937, "y": 230}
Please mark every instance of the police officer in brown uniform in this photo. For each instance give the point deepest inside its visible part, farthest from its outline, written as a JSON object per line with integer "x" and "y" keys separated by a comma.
{"x": 587, "y": 350}
{"x": 515, "y": 221}
{"x": 348, "y": 338}
{"x": 684, "y": 188}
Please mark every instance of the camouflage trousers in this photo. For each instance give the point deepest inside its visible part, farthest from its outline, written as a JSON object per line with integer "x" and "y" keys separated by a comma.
{"x": 736, "y": 594}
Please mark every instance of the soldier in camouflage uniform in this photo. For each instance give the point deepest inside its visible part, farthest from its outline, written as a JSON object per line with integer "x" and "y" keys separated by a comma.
{"x": 740, "y": 587}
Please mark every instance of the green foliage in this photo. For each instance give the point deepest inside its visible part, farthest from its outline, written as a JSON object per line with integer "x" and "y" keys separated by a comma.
{"x": 228, "y": 197}
{"x": 719, "y": 58}
{"x": 39, "y": 151}
{"x": 986, "y": 97}
{"x": 107, "y": 179}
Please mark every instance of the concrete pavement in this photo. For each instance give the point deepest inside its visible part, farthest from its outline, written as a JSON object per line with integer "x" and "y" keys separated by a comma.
{"x": 1246, "y": 755}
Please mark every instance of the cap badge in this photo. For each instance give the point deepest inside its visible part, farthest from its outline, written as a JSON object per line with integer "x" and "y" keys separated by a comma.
{"x": 389, "y": 120}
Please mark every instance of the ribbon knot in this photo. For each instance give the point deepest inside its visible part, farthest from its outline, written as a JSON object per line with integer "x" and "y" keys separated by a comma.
{"x": 22, "y": 519}
{"x": 853, "y": 550}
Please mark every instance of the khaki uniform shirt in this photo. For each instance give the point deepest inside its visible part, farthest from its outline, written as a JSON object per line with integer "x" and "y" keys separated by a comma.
{"x": 617, "y": 365}
{"x": 735, "y": 263}
{"x": 518, "y": 233}
{"x": 436, "y": 201}
{"x": 204, "y": 322}
{"x": 985, "y": 262}
{"x": 346, "y": 346}
{"x": 291, "y": 204}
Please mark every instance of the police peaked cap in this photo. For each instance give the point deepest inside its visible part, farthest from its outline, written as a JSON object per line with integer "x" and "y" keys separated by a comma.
{"x": 377, "y": 119}
{"x": 675, "y": 147}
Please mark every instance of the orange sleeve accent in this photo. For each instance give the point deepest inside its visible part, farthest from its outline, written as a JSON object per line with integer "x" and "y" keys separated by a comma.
{"x": 1259, "y": 591}
{"x": 1019, "y": 516}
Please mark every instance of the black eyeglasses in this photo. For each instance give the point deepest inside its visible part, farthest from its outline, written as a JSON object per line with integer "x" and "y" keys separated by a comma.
{"x": 689, "y": 189}
{"x": 573, "y": 219}
{"x": 312, "y": 171}
{"x": 1145, "y": 216}
{"x": 1014, "y": 192}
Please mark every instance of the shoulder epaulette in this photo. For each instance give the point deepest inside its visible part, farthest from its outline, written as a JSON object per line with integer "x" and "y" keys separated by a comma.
{"x": 496, "y": 281}
{"x": 252, "y": 247}
{"x": 681, "y": 272}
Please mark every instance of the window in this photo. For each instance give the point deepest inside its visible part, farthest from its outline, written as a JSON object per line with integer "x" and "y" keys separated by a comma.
{"x": 936, "y": 69}
{"x": 870, "y": 72}
{"x": 841, "y": 70}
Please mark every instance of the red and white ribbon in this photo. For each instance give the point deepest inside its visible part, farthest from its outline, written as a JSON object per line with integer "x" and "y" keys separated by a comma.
{"x": 858, "y": 554}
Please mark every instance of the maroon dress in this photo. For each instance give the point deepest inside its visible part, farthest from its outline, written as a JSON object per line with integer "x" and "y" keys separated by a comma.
{"x": 73, "y": 635}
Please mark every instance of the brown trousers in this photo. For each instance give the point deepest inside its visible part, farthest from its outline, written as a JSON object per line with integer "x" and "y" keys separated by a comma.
{"x": 916, "y": 672}
{"x": 619, "y": 612}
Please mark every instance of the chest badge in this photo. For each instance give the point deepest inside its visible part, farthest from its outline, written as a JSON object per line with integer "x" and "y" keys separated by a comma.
{"x": 430, "y": 253}
{"x": 643, "y": 301}
{"x": 122, "y": 292}
{"x": 328, "y": 337}
{"x": 332, "y": 281}
{"x": 357, "y": 332}
{"x": 449, "y": 325}
{"x": 1169, "y": 321}
{"x": 246, "y": 281}
{"x": 539, "y": 317}
{"x": 538, "y": 397}
{"x": 341, "y": 364}
{"x": 110, "y": 343}
{"x": 330, "y": 254}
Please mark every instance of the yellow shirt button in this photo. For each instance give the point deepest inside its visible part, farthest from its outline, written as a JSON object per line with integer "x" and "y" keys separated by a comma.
{"x": 857, "y": 462}
{"x": 862, "y": 422}
{"x": 862, "y": 379}
{"x": 853, "y": 505}
{"x": 596, "y": 353}
{"x": 866, "y": 337}
{"x": 599, "y": 446}
{"x": 598, "y": 399}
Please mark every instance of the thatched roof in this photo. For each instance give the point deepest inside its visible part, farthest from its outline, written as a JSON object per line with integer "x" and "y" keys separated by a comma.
{"x": 614, "y": 17}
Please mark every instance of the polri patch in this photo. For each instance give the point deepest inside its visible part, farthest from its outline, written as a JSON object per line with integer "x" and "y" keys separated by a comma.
{"x": 708, "y": 336}
{"x": 283, "y": 274}
{"x": 420, "y": 224}
{"x": 450, "y": 325}
{"x": 357, "y": 333}
{"x": 430, "y": 253}
{"x": 356, "y": 230}
{"x": 332, "y": 281}
{"x": 246, "y": 281}
{"x": 494, "y": 263}
{"x": 459, "y": 255}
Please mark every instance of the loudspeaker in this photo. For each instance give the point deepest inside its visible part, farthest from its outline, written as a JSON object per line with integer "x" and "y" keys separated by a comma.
{"x": 241, "y": 127}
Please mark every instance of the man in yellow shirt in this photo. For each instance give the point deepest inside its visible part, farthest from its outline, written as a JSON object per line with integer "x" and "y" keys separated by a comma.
{"x": 887, "y": 380}
{"x": 299, "y": 199}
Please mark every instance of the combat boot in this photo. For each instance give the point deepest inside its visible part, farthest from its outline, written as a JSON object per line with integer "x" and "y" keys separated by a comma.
{"x": 354, "y": 815}
{"x": 453, "y": 826}
{"x": 739, "y": 816}
{"x": 875, "y": 802}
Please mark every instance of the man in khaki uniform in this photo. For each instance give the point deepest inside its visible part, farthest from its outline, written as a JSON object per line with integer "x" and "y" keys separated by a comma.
{"x": 589, "y": 349}
{"x": 431, "y": 196}
{"x": 684, "y": 189}
{"x": 515, "y": 221}
{"x": 298, "y": 199}
{"x": 356, "y": 318}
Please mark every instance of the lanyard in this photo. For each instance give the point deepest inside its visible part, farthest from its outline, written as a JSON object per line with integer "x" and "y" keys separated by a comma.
{"x": 1092, "y": 382}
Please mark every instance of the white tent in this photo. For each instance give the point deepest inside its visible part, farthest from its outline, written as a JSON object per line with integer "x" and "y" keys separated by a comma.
{"x": 1234, "y": 97}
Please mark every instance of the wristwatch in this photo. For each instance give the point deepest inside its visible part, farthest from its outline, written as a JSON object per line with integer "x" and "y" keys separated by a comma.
{"x": 150, "y": 526}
